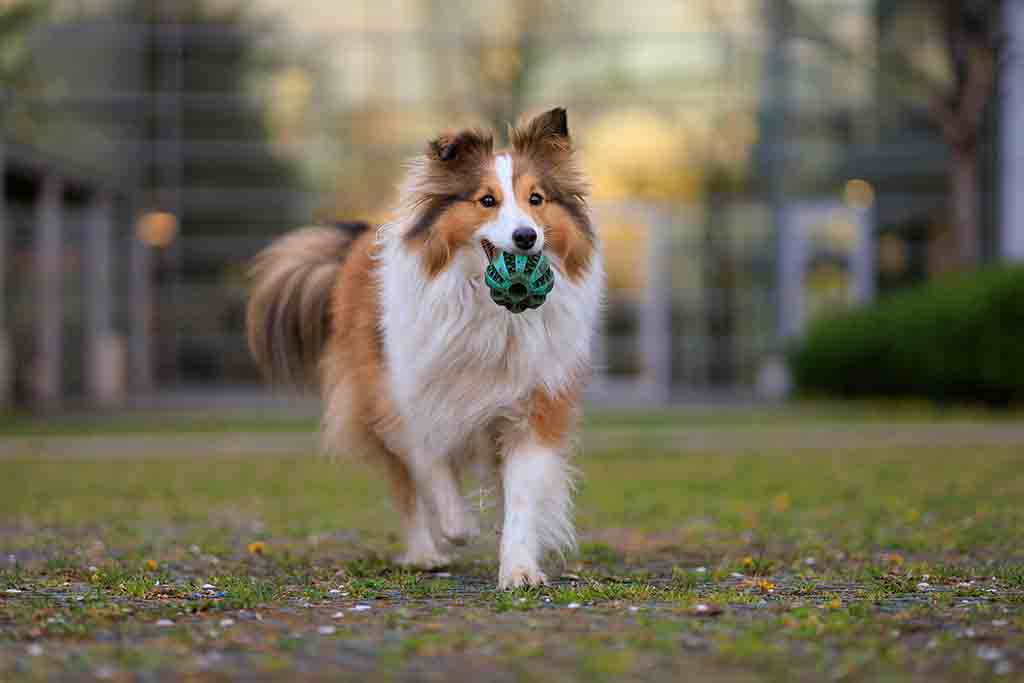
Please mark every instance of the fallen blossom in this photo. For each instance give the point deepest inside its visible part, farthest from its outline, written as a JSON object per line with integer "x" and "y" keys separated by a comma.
{"x": 762, "y": 585}
{"x": 893, "y": 558}
{"x": 707, "y": 610}
{"x": 989, "y": 653}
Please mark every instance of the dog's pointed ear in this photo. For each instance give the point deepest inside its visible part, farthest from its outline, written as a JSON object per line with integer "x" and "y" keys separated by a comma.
{"x": 451, "y": 147}
{"x": 545, "y": 134}
{"x": 443, "y": 148}
{"x": 554, "y": 123}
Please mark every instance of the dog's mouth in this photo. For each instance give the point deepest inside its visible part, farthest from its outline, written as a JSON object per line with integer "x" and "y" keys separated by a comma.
{"x": 489, "y": 250}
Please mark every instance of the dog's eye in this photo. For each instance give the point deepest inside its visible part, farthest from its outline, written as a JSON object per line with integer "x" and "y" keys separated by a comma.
{"x": 488, "y": 201}
{"x": 536, "y": 199}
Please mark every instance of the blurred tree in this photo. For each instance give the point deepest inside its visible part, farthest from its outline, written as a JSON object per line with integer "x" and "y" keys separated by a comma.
{"x": 495, "y": 66}
{"x": 949, "y": 72}
{"x": 17, "y": 75}
{"x": 959, "y": 105}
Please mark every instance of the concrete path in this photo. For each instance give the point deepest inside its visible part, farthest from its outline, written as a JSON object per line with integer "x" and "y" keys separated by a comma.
{"x": 697, "y": 439}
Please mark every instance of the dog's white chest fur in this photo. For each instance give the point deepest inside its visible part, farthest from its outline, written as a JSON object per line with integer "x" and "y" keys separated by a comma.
{"x": 455, "y": 361}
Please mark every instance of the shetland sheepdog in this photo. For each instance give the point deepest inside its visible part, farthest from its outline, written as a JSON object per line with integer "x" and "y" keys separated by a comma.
{"x": 419, "y": 369}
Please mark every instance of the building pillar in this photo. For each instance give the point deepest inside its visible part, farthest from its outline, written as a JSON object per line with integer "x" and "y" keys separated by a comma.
{"x": 6, "y": 345}
{"x": 48, "y": 369}
{"x": 1012, "y": 133}
{"x": 103, "y": 354}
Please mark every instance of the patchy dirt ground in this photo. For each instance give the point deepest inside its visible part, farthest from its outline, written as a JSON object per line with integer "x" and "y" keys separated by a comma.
{"x": 859, "y": 563}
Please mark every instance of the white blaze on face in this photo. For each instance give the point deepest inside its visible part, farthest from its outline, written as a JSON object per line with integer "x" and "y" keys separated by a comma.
{"x": 510, "y": 215}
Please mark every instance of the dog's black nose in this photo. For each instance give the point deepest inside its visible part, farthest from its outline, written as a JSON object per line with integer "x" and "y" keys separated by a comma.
{"x": 524, "y": 238}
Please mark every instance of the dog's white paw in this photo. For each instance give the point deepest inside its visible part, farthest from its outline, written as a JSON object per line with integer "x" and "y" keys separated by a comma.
{"x": 520, "y": 576}
{"x": 429, "y": 559}
{"x": 458, "y": 527}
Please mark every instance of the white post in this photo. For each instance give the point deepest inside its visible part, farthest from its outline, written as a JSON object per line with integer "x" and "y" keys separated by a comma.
{"x": 6, "y": 347}
{"x": 862, "y": 260}
{"x": 1013, "y": 134}
{"x": 103, "y": 355}
{"x": 791, "y": 265}
{"x": 141, "y": 307}
{"x": 48, "y": 369}
{"x": 655, "y": 311}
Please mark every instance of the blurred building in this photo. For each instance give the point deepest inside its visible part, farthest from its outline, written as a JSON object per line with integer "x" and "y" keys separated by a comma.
{"x": 751, "y": 165}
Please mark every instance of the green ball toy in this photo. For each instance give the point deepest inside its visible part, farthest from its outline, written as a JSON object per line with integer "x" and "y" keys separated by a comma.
{"x": 519, "y": 282}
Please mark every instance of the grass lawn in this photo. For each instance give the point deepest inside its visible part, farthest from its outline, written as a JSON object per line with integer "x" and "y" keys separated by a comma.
{"x": 865, "y": 565}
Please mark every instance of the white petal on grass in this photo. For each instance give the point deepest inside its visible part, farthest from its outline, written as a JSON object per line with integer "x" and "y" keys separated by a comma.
{"x": 989, "y": 653}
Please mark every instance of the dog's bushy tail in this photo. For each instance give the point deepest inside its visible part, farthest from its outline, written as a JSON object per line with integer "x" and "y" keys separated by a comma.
{"x": 288, "y": 316}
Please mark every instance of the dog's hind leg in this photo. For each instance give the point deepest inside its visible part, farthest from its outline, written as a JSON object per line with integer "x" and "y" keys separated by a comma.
{"x": 420, "y": 549}
{"x": 437, "y": 483}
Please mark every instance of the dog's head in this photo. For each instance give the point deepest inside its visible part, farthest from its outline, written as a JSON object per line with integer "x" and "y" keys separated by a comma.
{"x": 525, "y": 200}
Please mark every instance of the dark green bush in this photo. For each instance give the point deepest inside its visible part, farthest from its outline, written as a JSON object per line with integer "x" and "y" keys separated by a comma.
{"x": 959, "y": 338}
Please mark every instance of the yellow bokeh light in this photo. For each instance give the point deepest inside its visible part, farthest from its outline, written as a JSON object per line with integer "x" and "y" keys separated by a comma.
{"x": 637, "y": 154}
{"x": 157, "y": 228}
{"x": 859, "y": 194}
{"x": 625, "y": 240}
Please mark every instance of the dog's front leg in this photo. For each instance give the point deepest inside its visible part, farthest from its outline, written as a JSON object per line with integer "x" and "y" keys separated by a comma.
{"x": 537, "y": 490}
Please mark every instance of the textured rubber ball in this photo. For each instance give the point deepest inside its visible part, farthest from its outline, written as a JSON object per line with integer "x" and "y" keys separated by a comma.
{"x": 519, "y": 282}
